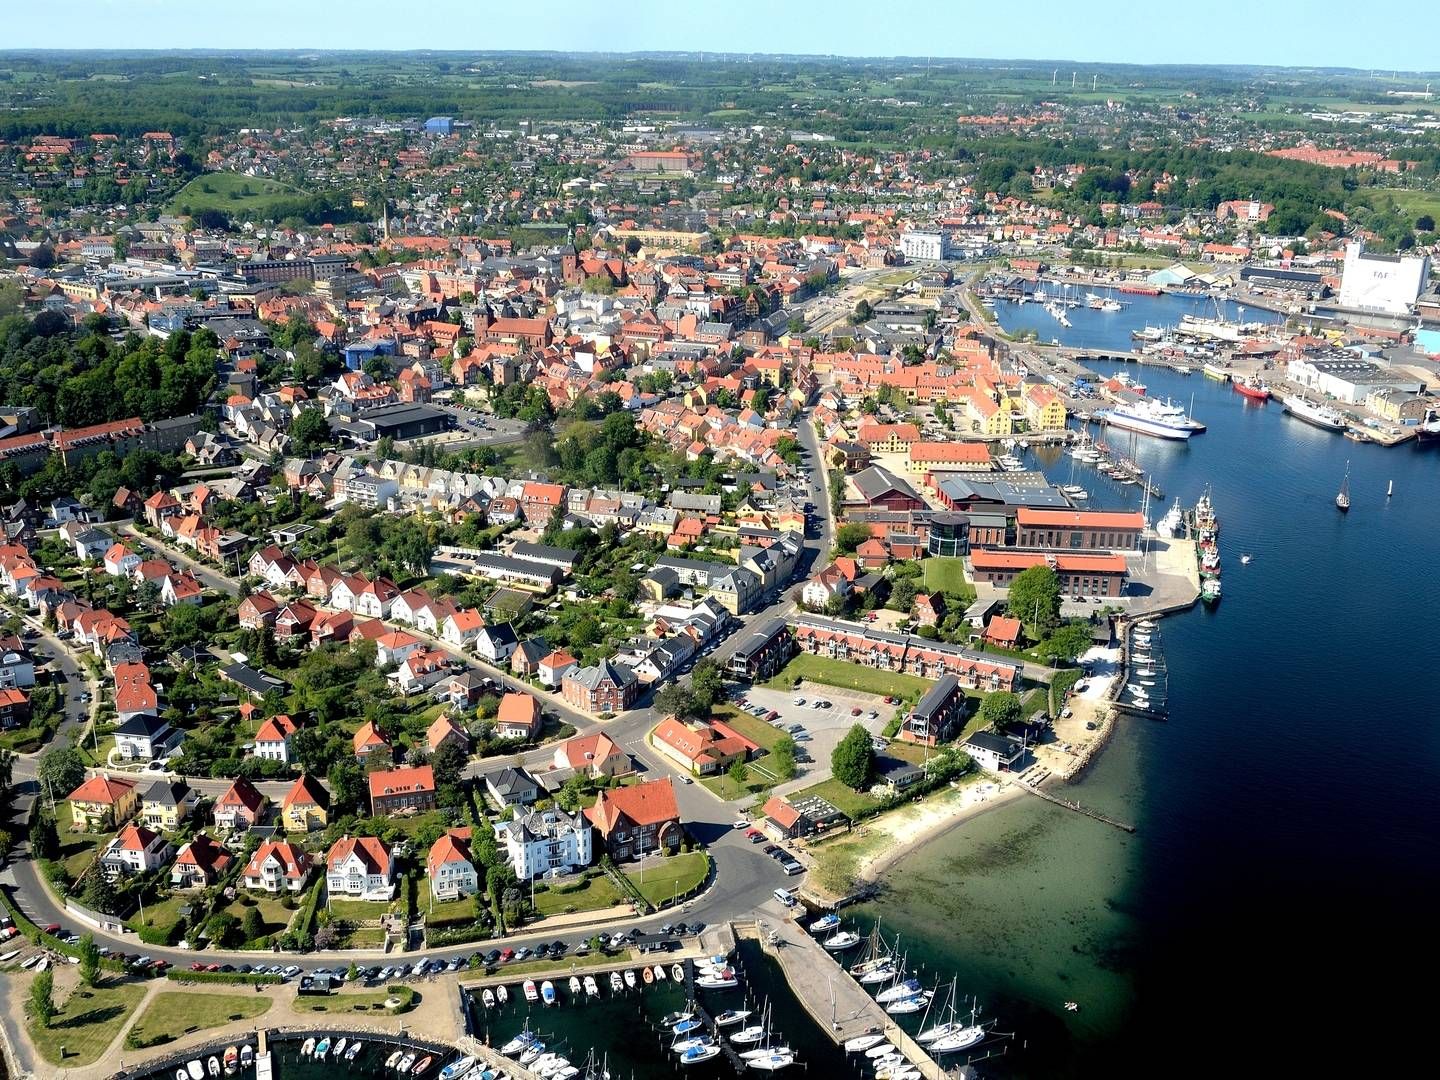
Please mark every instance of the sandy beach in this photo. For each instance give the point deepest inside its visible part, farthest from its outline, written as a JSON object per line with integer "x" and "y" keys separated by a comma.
{"x": 908, "y": 829}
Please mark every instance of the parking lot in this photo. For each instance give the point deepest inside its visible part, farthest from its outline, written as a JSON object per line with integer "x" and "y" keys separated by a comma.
{"x": 823, "y": 728}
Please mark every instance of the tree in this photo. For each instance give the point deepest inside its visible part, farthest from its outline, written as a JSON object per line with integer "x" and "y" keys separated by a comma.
{"x": 221, "y": 928}
{"x": 310, "y": 431}
{"x": 902, "y": 595}
{"x": 99, "y": 893}
{"x": 44, "y": 840}
{"x": 252, "y": 926}
{"x": 707, "y": 683}
{"x": 1035, "y": 600}
{"x": 861, "y": 313}
{"x": 89, "y": 960}
{"x": 347, "y": 785}
{"x": 678, "y": 700}
{"x": 1000, "y": 710}
{"x": 850, "y": 536}
{"x": 61, "y": 771}
{"x": 447, "y": 763}
{"x": 42, "y": 998}
{"x": 782, "y": 758}
{"x": 1065, "y": 644}
{"x": 853, "y": 760}
{"x": 738, "y": 773}
{"x": 1425, "y": 223}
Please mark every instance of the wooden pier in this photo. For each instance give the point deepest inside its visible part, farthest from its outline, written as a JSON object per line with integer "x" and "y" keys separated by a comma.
{"x": 1077, "y": 807}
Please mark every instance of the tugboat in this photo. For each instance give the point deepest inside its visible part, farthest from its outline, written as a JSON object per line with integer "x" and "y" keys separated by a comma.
{"x": 1342, "y": 500}
{"x": 1252, "y": 388}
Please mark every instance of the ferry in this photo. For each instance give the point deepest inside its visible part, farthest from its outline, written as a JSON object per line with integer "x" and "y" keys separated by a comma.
{"x": 1252, "y": 388}
{"x": 1321, "y": 416}
{"x": 1149, "y": 417}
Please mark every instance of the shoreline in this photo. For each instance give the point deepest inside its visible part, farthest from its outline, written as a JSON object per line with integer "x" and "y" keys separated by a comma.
{"x": 870, "y": 869}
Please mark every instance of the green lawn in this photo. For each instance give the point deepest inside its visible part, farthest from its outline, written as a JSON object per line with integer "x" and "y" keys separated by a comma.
{"x": 677, "y": 875}
{"x": 1415, "y": 203}
{"x": 848, "y": 801}
{"x": 446, "y": 912}
{"x": 947, "y": 575}
{"x": 537, "y": 967}
{"x": 752, "y": 727}
{"x": 343, "y": 1002}
{"x": 163, "y": 913}
{"x": 87, "y": 1024}
{"x": 598, "y": 892}
{"x": 275, "y": 916}
{"x": 361, "y": 911}
{"x": 173, "y": 1014}
{"x": 722, "y": 787}
{"x": 77, "y": 849}
{"x": 263, "y": 194}
{"x": 822, "y": 669}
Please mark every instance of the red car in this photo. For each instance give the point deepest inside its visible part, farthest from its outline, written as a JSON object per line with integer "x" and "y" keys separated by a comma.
{"x": 506, "y": 955}
{"x": 855, "y": 711}
{"x": 212, "y": 967}
{"x": 889, "y": 700}
{"x": 53, "y": 928}
{"x": 754, "y": 835}
{"x": 772, "y": 715}
{"x": 197, "y": 966}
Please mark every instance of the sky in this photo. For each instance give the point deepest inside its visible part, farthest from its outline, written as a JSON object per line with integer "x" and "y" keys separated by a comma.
{"x": 1373, "y": 34}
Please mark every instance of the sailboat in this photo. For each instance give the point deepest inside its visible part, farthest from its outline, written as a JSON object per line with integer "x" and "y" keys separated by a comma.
{"x": 1342, "y": 500}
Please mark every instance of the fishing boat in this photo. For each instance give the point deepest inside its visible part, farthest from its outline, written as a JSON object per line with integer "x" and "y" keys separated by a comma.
{"x": 1342, "y": 499}
{"x": 630, "y": 980}
{"x": 659, "y": 972}
{"x": 677, "y": 973}
{"x": 825, "y": 923}
{"x": 212, "y": 1067}
{"x": 501, "y": 994}
{"x": 1321, "y": 416}
{"x": 697, "y": 1054}
{"x": 1210, "y": 590}
{"x": 617, "y": 983}
{"x": 421, "y": 1065}
{"x": 354, "y": 1050}
{"x": 731, "y": 1016}
{"x": 647, "y": 976}
{"x": 547, "y": 992}
{"x": 394, "y": 1059}
{"x": 748, "y": 1035}
{"x": 197, "y": 1070}
{"x": 860, "y": 1043}
{"x": 842, "y": 940}
{"x": 247, "y": 1056}
{"x": 592, "y": 988}
{"x": 1252, "y": 388}
{"x": 231, "y": 1060}
{"x": 457, "y": 1069}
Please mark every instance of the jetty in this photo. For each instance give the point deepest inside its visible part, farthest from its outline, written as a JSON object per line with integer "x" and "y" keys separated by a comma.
{"x": 835, "y": 1001}
{"x": 727, "y": 1050}
{"x": 1070, "y": 804}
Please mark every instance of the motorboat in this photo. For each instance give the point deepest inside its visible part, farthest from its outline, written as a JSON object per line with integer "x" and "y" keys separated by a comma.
{"x": 547, "y": 992}
{"x": 546, "y": 1063}
{"x": 487, "y": 998}
{"x": 592, "y": 988}
{"x": 731, "y": 1016}
{"x": 842, "y": 940}
{"x": 720, "y": 980}
{"x": 647, "y": 976}
{"x": 322, "y": 1048}
{"x": 659, "y": 972}
{"x": 501, "y": 994}
{"x": 212, "y": 1066}
{"x": 353, "y": 1051}
{"x": 617, "y": 984}
{"x": 677, "y": 973}
{"x": 697, "y": 1054}
{"x": 394, "y": 1059}
{"x": 576, "y": 987}
{"x": 860, "y": 1043}
{"x": 423, "y": 1064}
{"x": 630, "y": 979}
{"x": 339, "y": 1048}
{"x": 181, "y": 1074}
{"x": 825, "y": 923}
{"x": 531, "y": 994}
{"x": 247, "y": 1056}
{"x": 457, "y": 1069}
{"x": 405, "y": 1063}
{"x": 231, "y": 1060}
{"x": 752, "y": 1033}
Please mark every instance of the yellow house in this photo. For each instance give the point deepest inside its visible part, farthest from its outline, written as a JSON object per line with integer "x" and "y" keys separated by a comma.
{"x": 103, "y": 803}
{"x": 306, "y": 806}
{"x": 165, "y": 804}
{"x": 990, "y": 418}
{"x": 1044, "y": 409}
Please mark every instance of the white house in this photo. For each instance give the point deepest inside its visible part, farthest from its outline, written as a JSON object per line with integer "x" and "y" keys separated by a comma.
{"x": 395, "y": 647}
{"x": 540, "y": 842}
{"x": 360, "y": 867}
{"x": 136, "y": 850}
{"x": 272, "y": 741}
{"x": 120, "y": 561}
{"x": 462, "y": 627}
{"x": 278, "y": 866}
{"x": 496, "y": 643}
{"x": 451, "y": 866}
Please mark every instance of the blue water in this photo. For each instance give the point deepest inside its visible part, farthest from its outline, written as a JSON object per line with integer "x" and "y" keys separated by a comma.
{"x": 1091, "y": 329}
{"x": 1282, "y": 880}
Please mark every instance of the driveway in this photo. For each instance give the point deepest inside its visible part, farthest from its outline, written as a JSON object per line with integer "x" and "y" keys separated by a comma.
{"x": 824, "y": 727}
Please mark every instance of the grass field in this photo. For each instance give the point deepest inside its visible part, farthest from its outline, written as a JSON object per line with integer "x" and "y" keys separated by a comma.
{"x": 227, "y": 192}
{"x": 343, "y": 1002}
{"x": 361, "y": 911}
{"x": 273, "y": 915}
{"x": 848, "y": 801}
{"x": 171, "y": 1015}
{"x": 598, "y": 892}
{"x": 752, "y": 727}
{"x": 947, "y": 575}
{"x": 677, "y": 875}
{"x": 1414, "y": 203}
{"x": 87, "y": 1023}
{"x": 822, "y": 669}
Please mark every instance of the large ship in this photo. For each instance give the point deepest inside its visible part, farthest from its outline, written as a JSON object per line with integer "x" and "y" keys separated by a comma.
{"x": 1312, "y": 412}
{"x": 1150, "y": 417}
{"x": 1207, "y": 547}
{"x": 1252, "y": 387}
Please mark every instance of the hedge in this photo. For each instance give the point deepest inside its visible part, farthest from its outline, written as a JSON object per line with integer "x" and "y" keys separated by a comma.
{"x": 440, "y": 938}
{"x": 183, "y": 975}
{"x": 50, "y": 941}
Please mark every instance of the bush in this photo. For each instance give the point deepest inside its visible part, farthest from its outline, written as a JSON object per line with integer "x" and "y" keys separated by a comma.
{"x": 237, "y": 978}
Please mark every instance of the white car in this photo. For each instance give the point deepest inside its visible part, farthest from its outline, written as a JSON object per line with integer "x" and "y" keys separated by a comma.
{"x": 798, "y": 702}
